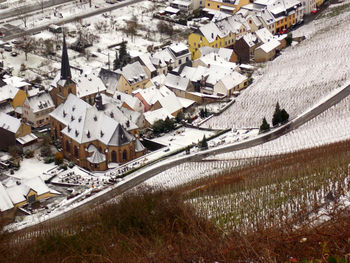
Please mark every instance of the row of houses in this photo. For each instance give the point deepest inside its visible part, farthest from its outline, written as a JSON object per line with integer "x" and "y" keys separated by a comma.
{"x": 275, "y": 8}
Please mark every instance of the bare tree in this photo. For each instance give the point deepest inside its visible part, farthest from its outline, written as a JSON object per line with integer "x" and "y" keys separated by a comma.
{"x": 21, "y": 14}
{"x": 41, "y": 4}
{"x": 28, "y": 44}
{"x": 132, "y": 26}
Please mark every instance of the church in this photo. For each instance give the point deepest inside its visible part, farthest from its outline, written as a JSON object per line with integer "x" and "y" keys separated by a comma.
{"x": 89, "y": 137}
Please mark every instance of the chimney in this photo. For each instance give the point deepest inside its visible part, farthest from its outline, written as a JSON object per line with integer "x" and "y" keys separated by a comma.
{"x": 98, "y": 102}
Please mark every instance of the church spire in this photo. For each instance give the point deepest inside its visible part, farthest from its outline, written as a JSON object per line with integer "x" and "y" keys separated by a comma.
{"x": 65, "y": 68}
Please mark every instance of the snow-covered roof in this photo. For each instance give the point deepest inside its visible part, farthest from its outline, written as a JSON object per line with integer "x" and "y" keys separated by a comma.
{"x": 178, "y": 47}
{"x": 112, "y": 110}
{"x": 162, "y": 56}
{"x": 20, "y": 190}
{"x": 186, "y": 102}
{"x": 27, "y": 138}
{"x": 132, "y": 101}
{"x": 6, "y": 107}
{"x": 8, "y": 92}
{"x": 5, "y": 201}
{"x": 169, "y": 101}
{"x": 158, "y": 80}
{"x": 215, "y": 59}
{"x": 181, "y": 2}
{"x": 40, "y": 102}
{"x": 160, "y": 114}
{"x": 85, "y": 123}
{"x": 87, "y": 82}
{"x": 264, "y": 35}
{"x": 269, "y": 46}
{"x": 96, "y": 156}
{"x": 9, "y": 123}
{"x": 172, "y": 10}
{"x": 15, "y": 81}
{"x": 133, "y": 73}
{"x": 232, "y": 80}
{"x": 145, "y": 58}
{"x": 110, "y": 79}
{"x": 250, "y": 39}
{"x": 138, "y": 146}
{"x": 212, "y": 74}
{"x": 176, "y": 82}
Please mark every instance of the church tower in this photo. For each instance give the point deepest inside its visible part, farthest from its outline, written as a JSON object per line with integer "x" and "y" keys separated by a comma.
{"x": 65, "y": 85}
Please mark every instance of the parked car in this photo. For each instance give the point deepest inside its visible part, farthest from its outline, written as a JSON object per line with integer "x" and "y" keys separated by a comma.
{"x": 14, "y": 53}
{"x": 8, "y": 48}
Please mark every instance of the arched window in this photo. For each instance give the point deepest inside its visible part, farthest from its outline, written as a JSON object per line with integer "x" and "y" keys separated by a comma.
{"x": 76, "y": 152}
{"x": 114, "y": 156}
{"x": 67, "y": 146}
{"x": 125, "y": 155}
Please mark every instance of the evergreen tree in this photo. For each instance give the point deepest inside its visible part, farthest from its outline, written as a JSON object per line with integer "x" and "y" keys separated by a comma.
{"x": 264, "y": 126}
{"x": 124, "y": 57}
{"x": 284, "y": 116}
{"x": 203, "y": 144}
{"x": 276, "y": 119}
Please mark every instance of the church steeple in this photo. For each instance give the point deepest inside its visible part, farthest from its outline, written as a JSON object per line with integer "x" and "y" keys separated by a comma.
{"x": 65, "y": 68}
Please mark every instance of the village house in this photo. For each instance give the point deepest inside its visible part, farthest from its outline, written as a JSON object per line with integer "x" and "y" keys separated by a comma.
{"x": 245, "y": 46}
{"x": 229, "y": 6}
{"x": 174, "y": 56}
{"x": 218, "y": 34}
{"x": 227, "y": 54}
{"x": 11, "y": 129}
{"x": 131, "y": 77}
{"x": 90, "y": 137}
{"x": 7, "y": 209}
{"x": 11, "y": 100}
{"x": 36, "y": 109}
{"x": 28, "y": 191}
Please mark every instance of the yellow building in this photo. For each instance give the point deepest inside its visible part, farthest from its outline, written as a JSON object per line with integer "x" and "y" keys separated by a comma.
{"x": 285, "y": 22}
{"x": 319, "y": 2}
{"x": 221, "y": 34}
{"x": 132, "y": 77}
{"x": 29, "y": 191}
{"x": 230, "y": 6}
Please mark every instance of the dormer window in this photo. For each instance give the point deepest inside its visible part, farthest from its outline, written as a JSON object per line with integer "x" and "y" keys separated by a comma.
{"x": 112, "y": 114}
{"x": 69, "y": 128}
{"x": 73, "y": 108}
{"x": 95, "y": 118}
{"x": 88, "y": 134}
{"x": 76, "y": 133}
{"x": 64, "y": 114}
{"x": 79, "y": 120}
{"x": 101, "y": 133}
{"x": 72, "y": 118}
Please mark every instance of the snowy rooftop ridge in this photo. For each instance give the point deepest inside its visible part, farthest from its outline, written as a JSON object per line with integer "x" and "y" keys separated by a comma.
{"x": 9, "y": 123}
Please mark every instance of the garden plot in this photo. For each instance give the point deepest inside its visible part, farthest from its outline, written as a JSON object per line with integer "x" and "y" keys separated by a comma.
{"x": 31, "y": 168}
{"x": 297, "y": 79}
{"x": 182, "y": 137}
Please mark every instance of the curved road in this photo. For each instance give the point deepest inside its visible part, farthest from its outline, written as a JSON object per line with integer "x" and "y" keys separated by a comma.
{"x": 145, "y": 173}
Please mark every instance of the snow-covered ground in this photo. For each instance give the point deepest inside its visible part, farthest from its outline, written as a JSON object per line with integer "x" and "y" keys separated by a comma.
{"x": 297, "y": 79}
{"x": 108, "y": 29}
{"x": 31, "y": 168}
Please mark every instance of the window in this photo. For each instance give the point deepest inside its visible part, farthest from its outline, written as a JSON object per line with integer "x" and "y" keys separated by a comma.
{"x": 218, "y": 6}
{"x": 31, "y": 198}
{"x": 125, "y": 155}
{"x": 76, "y": 152}
{"x": 114, "y": 156}
{"x": 208, "y": 4}
{"x": 67, "y": 146}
